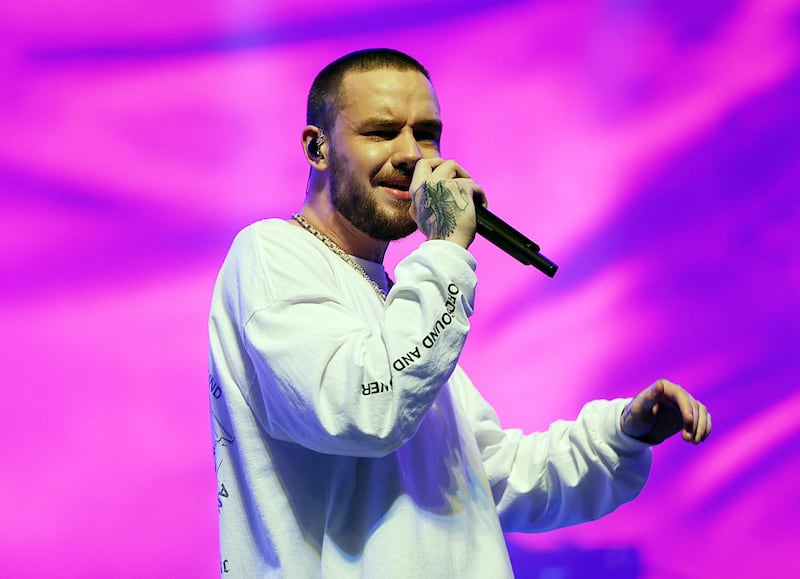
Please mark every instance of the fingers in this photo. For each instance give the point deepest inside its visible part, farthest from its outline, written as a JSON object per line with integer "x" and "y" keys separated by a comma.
{"x": 479, "y": 197}
{"x": 444, "y": 169}
{"x": 702, "y": 426}
{"x": 436, "y": 169}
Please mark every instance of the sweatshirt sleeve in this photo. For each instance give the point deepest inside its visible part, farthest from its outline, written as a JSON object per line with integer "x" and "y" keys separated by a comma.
{"x": 330, "y": 372}
{"x": 576, "y": 471}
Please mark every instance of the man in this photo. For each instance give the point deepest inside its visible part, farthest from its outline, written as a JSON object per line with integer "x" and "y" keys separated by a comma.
{"x": 348, "y": 443}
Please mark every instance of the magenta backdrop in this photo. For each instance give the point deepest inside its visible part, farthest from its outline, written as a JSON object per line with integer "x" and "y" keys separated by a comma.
{"x": 652, "y": 149}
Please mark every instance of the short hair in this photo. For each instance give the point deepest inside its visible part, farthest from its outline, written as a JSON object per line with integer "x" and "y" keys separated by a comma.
{"x": 323, "y": 98}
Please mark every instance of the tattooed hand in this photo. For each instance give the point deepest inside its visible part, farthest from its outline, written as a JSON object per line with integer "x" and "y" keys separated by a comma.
{"x": 443, "y": 201}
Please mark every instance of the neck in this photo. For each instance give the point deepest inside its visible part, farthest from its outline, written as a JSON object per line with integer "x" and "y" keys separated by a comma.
{"x": 332, "y": 224}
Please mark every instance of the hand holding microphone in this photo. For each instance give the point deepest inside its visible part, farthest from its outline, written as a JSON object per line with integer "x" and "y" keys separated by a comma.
{"x": 444, "y": 201}
{"x": 441, "y": 191}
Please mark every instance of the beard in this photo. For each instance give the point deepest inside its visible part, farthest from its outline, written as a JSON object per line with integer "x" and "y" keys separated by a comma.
{"x": 357, "y": 203}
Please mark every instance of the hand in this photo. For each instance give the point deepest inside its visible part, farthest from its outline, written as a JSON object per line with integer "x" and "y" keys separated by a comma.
{"x": 443, "y": 201}
{"x": 663, "y": 409}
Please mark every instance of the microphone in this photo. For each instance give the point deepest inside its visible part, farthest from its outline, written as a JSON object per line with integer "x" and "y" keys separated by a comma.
{"x": 501, "y": 234}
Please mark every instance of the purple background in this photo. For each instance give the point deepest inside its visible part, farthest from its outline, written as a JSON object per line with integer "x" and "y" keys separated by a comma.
{"x": 652, "y": 149}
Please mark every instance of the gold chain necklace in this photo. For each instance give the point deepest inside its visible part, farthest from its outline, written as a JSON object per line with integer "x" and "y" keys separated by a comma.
{"x": 330, "y": 244}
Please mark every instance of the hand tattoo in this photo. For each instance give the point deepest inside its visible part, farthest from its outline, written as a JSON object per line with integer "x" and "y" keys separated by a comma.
{"x": 438, "y": 213}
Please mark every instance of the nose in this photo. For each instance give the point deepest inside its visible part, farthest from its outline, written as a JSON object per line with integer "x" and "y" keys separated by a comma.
{"x": 407, "y": 151}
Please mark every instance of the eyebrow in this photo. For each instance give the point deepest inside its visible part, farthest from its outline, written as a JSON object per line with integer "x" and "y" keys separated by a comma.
{"x": 388, "y": 122}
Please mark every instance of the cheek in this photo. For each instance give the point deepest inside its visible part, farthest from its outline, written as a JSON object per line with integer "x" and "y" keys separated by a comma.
{"x": 375, "y": 160}
{"x": 430, "y": 152}
{"x": 363, "y": 157}
{"x": 378, "y": 155}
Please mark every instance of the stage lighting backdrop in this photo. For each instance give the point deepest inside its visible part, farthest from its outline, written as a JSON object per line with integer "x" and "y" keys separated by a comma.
{"x": 651, "y": 148}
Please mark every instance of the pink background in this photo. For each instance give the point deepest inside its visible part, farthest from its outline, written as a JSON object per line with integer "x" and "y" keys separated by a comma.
{"x": 651, "y": 148}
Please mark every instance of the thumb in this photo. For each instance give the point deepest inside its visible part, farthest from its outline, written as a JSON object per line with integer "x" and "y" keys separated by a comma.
{"x": 650, "y": 398}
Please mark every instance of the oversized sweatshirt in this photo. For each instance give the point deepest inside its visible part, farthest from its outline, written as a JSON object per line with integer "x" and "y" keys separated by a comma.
{"x": 348, "y": 443}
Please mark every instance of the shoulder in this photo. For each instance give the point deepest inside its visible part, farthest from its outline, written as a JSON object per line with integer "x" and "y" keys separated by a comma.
{"x": 276, "y": 259}
{"x": 267, "y": 234}
{"x": 272, "y": 242}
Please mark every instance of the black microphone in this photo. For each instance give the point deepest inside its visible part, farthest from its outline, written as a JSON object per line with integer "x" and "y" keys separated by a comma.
{"x": 501, "y": 234}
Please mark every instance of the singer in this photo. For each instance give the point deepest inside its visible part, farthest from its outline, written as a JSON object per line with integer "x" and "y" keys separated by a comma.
{"x": 348, "y": 443}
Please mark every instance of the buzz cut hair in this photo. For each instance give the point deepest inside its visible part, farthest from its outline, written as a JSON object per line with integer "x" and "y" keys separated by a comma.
{"x": 323, "y": 98}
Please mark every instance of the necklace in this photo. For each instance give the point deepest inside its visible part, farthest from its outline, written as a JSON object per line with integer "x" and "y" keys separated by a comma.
{"x": 330, "y": 244}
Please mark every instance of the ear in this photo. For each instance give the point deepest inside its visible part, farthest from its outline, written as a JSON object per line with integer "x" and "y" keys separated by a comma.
{"x": 315, "y": 148}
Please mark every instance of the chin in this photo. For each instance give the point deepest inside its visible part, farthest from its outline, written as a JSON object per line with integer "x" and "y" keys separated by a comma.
{"x": 377, "y": 217}
{"x": 392, "y": 231}
{"x": 396, "y": 223}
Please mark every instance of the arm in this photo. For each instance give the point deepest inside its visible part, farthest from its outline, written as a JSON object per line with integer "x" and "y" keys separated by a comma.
{"x": 325, "y": 365}
{"x": 575, "y": 471}
{"x": 580, "y": 470}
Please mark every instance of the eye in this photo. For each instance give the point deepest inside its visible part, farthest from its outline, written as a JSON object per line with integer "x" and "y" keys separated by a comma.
{"x": 427, "y": 137}
{"x": 382, "y": 134}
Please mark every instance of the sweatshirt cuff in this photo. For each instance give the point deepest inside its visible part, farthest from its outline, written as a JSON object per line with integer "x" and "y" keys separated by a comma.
{"x": 615, "y": 436}
{"x": 442, "y": 246}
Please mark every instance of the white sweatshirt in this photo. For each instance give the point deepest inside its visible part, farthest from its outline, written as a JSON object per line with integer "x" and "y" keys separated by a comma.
{"x": 347, "y": 441}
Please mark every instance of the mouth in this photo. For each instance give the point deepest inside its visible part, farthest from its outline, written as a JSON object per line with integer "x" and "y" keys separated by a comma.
{"x": 397, "y": 188}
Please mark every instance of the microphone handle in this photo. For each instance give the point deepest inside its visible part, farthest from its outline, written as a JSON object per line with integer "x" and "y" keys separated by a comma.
{"x": 501, "y": 234}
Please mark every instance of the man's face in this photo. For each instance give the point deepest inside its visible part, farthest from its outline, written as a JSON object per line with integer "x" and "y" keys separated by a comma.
{"x": 387, "y": 120}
